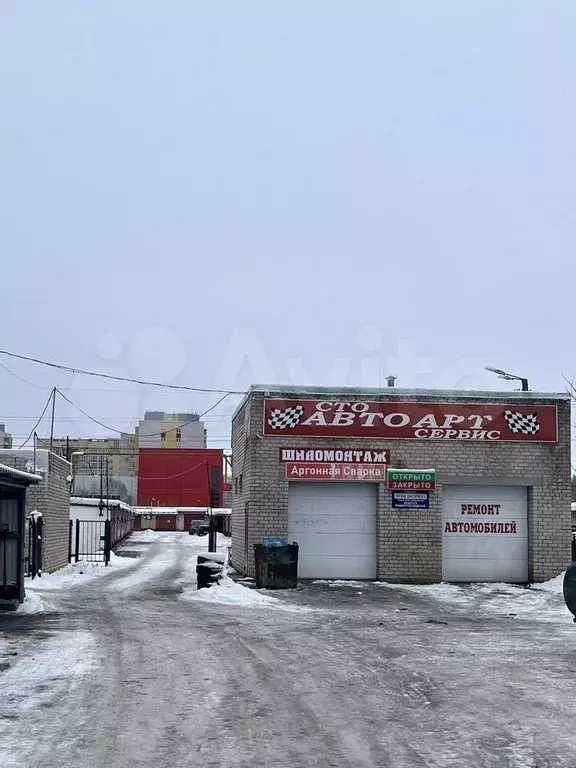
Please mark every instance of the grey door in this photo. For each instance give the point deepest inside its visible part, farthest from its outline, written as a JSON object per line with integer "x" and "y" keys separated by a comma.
{"x": 10, "y": 547}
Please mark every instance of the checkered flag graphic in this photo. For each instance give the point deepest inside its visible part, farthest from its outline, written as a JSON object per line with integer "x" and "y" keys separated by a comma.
{"x": 282, "y": 418}
{"x": 522, "y": 424}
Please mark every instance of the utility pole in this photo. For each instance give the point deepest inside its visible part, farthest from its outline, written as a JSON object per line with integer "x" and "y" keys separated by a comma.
{"x": 101, "y": 505}
{"x": 68, "y": 448}
{"x": 107, "y": 492}
{"x": 52, "y": 418}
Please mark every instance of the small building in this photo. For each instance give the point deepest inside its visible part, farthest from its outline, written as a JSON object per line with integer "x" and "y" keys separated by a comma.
{"x": 50, "y": 497}
{"x": 179, "y": 518}
{"x": 14, "y": 485}
{"x": 404, "y": 485}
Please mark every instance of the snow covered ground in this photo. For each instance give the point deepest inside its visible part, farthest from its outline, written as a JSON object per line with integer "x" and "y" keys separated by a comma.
{"x": 537, "y": 602}
{"x": 169, "y": 550}
{"x": 134, "y": 666}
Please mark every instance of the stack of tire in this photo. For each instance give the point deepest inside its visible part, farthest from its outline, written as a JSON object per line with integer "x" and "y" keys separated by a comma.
{"x": 209, "y": 569}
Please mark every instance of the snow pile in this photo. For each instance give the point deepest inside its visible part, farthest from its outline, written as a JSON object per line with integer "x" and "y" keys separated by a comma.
{"x": 341, "y": 583}
{"x": 146, "y": 535}
{"x": 555, "y": 585}
{"x": 228, "y": 592}
{"x": 32, "y": 604}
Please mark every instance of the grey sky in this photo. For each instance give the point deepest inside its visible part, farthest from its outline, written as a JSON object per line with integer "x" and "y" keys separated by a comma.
{"x": 314, "y": 181}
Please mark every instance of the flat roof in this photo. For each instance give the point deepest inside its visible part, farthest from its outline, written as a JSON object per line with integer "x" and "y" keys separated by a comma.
{"x": 214, "y": 511}
{"x": 392, "y": 393}
{"x": 19, "y": 474}
{"x": 90, "y": 501}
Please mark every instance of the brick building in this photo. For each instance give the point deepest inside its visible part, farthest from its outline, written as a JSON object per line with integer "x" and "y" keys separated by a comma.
{"x": 491, "y": 503}
{"x": 50, "y": 497}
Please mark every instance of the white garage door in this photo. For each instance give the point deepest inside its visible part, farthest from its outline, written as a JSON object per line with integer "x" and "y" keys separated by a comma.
{"x": 485, "y": 533}
{"x": 335, "y": 526}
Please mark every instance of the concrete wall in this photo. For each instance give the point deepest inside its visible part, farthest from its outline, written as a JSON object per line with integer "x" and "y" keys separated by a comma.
{"x": 409, "y": 542}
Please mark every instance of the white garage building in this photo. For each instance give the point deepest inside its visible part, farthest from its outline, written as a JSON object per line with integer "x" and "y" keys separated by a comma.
{"x": 340, "y": 472}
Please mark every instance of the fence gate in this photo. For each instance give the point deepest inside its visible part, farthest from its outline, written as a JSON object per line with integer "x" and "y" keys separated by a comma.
{"x": 91, "y": 541}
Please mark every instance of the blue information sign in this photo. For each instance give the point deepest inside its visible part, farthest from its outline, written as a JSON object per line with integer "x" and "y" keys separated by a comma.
{"x": 411, "y": 499}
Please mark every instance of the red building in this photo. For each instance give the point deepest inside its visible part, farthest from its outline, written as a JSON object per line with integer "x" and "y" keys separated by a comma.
{"x": 180, "y": 477}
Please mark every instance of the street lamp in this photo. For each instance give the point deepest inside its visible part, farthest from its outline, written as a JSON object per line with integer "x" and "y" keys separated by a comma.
{"x": 508, "y": 376}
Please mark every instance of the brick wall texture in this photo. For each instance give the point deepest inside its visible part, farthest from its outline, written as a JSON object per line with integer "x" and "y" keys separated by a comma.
{"x": 409, "y": 542}
{"x": 51, "y": 497}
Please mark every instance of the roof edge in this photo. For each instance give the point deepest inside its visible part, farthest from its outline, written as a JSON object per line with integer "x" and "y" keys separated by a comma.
{"x": 19, "y": 473}
{"x": 391, "y": 392}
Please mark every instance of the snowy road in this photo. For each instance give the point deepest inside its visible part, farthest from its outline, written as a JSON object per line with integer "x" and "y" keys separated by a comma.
{"x": 130, "y": 670}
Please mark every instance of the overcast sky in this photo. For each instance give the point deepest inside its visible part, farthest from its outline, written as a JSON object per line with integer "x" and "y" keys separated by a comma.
{"x": 216, "y": 193}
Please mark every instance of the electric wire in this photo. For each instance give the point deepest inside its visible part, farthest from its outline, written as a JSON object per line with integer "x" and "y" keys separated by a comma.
{"x": 154, "y": 434}
{"x": 35, "y": 427}
{"x": 82, "y": 372}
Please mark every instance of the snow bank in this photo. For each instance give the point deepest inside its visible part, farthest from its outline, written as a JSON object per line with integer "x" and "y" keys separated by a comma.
{"x": 555, "y": 585}
{"x": 341, "y": 583}
{"x": 74, "y": 574}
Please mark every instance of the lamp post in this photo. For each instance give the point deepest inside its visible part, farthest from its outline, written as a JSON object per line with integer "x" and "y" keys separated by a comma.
{"x": 508, "y": 376}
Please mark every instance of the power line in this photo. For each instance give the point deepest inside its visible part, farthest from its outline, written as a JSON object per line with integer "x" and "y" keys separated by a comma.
{"x": 156, "y": 434}
{"x": 29, "y": 383}
{"x": 34, "y": 428}
{"x": 82, "y": 372}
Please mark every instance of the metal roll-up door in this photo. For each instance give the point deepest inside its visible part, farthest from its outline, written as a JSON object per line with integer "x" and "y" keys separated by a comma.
{"x": 485, "y": 533}
{"x": 335, "y": 527}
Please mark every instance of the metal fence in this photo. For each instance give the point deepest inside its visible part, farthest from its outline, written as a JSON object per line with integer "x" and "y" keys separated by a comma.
{"x": 94, "y": 540}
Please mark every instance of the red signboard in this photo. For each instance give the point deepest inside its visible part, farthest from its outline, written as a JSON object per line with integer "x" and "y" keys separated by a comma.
{"x": 417, "y": 421}
{"x": 338, "y": 455}
{"x": 362, "y": 473}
